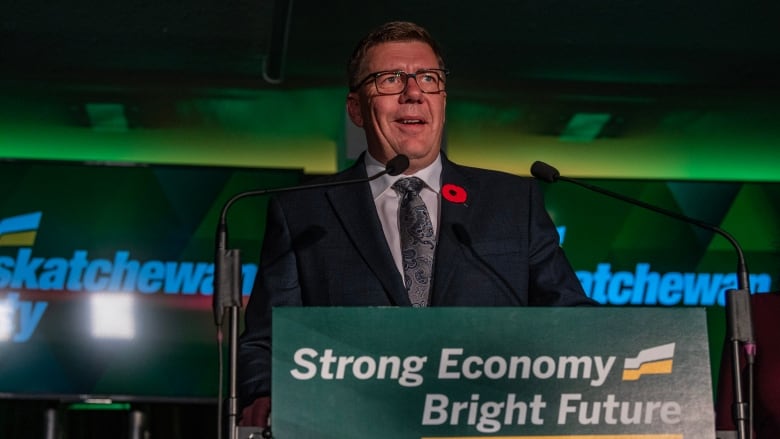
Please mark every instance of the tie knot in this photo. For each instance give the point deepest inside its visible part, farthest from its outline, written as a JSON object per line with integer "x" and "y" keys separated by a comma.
{"x": 409, "y": 185}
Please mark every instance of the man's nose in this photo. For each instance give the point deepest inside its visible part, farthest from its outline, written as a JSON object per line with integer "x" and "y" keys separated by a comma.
{"x": 412, "y": 89}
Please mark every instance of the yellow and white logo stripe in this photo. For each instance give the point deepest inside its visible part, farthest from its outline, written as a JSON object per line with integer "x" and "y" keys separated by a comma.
{"x": 656, "y": 360}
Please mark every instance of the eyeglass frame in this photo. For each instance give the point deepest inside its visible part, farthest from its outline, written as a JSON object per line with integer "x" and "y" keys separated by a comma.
{"x": 442, "y": 73}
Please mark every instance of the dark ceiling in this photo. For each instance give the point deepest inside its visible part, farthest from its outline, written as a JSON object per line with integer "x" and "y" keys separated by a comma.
{"x": 487, "y": 43}
{"x": 671, "y": 74}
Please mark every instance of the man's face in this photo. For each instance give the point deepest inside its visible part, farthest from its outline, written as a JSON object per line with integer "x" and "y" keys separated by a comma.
{"x": 409, "y": 123}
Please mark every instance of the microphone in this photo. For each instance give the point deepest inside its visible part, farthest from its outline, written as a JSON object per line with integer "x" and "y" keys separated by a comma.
{"x": 740, "y": 320}
{"x": 227, "y": 278}
{"x": 547, "y": 173}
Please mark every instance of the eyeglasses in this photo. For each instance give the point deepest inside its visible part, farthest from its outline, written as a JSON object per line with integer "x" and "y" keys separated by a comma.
{"x": 395, "y": 82}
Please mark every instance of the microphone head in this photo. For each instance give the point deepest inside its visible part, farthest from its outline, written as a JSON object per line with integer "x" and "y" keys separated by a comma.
{"x": 397, "y": 165}
{"x": 545, "y": 172}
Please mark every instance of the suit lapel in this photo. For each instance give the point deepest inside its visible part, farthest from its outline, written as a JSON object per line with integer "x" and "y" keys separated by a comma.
{"x": 449, "y": 251}
{"x": 354, "y": 206}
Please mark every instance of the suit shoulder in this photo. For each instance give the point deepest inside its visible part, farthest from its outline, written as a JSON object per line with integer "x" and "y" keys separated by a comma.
{"x": 493, "y": 176}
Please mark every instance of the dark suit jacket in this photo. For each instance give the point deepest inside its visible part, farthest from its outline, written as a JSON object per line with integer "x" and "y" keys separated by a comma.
{"x": 325, "y": 247}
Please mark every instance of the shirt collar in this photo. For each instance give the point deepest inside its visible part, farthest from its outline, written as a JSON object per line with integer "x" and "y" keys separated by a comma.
{"x": 431, "y": 175}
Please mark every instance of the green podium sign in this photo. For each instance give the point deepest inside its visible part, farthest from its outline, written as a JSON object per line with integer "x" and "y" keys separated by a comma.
{"x": 590, "y": 373}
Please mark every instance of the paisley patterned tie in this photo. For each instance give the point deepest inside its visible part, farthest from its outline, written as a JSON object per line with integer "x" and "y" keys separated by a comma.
{"x": 417, "y": 240}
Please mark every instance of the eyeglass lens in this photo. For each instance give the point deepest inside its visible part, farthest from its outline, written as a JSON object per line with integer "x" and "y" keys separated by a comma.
{"x": 429, "y": 81}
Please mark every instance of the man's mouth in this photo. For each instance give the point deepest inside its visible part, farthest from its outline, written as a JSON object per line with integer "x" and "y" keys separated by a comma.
{"x": 411, "y": 121}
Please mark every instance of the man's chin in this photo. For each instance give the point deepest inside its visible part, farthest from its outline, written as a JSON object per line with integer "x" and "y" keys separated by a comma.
{"x": 417, "y": 150}
{"x": 421, "y": 160}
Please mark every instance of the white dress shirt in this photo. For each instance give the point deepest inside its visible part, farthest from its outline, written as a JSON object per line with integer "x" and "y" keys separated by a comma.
{"x": 387, "y": 200}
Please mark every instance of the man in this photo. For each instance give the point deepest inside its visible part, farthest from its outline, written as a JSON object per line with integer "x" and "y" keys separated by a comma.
{"x": 485, "y": 237}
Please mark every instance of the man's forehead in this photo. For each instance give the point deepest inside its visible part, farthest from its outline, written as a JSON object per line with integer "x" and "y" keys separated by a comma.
{"x": 398, "y": 54}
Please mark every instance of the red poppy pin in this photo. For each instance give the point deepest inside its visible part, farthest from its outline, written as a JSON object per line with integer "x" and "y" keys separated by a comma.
{"x": 454, "y": 193}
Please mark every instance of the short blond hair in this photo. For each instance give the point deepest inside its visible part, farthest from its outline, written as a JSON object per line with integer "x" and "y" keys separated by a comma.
{"x": 393, "y": 31}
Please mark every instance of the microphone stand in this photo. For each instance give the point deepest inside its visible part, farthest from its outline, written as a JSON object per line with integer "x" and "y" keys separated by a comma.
{"x": 739, "y": 315}
{"x": 227, "y": 284}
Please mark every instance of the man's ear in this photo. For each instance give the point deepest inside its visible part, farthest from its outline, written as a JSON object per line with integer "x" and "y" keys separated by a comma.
{"x": 353, "y": 109}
